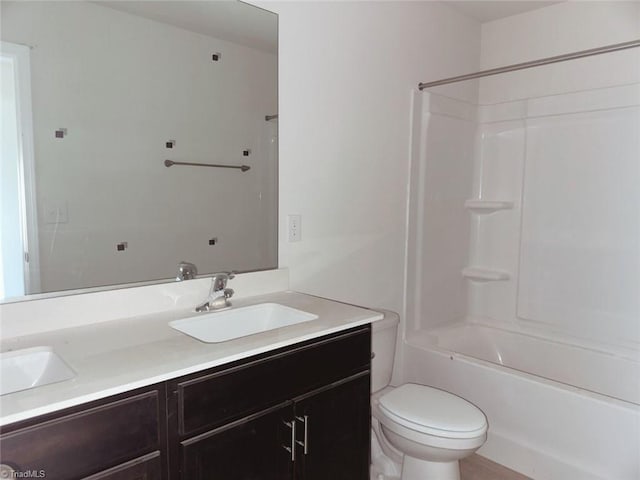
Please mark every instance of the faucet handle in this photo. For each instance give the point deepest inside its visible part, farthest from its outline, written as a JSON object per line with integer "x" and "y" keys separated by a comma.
{"x": 186, "y": 271}
{"x": 219, "y": 280}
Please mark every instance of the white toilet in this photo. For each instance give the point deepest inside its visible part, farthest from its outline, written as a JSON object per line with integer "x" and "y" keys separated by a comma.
{"x": 422, "y": 431}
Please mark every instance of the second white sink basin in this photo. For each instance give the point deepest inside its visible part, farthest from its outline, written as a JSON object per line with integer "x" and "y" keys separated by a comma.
{"x": 226, "y": 325}
{"x": 30, "y": 368}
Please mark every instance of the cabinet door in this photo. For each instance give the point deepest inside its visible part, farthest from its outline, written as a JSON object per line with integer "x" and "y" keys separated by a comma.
{"x": 253, "y": 448}
{"x": 337, "y": 436}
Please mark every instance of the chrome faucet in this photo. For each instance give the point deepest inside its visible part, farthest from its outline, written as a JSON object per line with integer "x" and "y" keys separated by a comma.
{"x": 186, "y": 271}
{"x": 219, "y": 294}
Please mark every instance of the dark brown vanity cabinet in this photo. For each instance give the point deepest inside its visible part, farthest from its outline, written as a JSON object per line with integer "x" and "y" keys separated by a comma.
{"x": 120, "y": 438}
{"x": 302, "y": 412}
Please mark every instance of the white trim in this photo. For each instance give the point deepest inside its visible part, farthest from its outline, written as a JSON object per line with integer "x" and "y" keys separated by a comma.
{"x": 22, "y": 57}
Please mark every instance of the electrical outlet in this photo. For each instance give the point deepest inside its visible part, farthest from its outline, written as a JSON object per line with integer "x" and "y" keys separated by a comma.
{"x": 295, "y": 228}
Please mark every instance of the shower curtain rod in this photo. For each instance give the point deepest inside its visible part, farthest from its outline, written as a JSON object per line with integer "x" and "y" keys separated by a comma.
{"x": 534, "y": 63}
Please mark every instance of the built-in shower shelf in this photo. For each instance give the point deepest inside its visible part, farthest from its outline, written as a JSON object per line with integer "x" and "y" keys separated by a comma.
{"x": 479, "y": 274}
{"x": 487, "y": 206}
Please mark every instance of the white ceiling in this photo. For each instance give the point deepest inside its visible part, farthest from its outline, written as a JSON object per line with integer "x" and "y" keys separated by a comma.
{"x": 485, "y": 11}
{"x": 228, "y": 20}
{"x": 256, "y": 28}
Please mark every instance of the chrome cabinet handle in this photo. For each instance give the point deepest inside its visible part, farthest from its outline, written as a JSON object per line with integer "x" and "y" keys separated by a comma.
{"x": 292, "y": 448}
{"x": 305, "y": 442}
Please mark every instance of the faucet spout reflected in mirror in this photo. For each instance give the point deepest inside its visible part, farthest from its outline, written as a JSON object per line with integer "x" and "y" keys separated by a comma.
{"x": 219, "y": 294}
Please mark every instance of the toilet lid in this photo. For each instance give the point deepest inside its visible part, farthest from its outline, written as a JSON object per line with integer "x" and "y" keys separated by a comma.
{"x": 429, "y": 410}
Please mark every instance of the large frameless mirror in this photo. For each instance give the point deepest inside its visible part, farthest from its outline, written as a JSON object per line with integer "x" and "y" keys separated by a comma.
{"x": 136, "y": 135}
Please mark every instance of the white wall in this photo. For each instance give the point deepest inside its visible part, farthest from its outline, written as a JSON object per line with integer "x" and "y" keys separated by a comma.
{"x": 123, "y": 86}
{"x": 555, "y": 30}
{"x": 347, "y": 72}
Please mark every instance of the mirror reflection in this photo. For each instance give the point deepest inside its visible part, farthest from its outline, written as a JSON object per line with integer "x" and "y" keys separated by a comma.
{"x": 96, "y": 98}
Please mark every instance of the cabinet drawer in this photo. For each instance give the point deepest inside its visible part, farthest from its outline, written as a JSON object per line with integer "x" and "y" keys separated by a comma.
{"x": 148, "y": 467}
{"x": 213, "y": 399}
{"x": 82, "y": 443}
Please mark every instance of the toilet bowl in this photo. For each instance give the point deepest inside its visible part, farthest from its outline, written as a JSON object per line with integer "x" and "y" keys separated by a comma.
{"x": 424, "y": 429}
{"x": 433, "y": 430}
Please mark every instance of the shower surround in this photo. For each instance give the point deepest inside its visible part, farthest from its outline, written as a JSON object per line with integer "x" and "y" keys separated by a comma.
{"x": 524, "y": 270}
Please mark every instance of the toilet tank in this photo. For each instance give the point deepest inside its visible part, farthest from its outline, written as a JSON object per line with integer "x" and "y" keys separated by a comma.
{"x": 383, "y": 347}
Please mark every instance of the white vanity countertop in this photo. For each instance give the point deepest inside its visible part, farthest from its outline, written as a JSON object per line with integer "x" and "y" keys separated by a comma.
{"x": 121, "y": 355}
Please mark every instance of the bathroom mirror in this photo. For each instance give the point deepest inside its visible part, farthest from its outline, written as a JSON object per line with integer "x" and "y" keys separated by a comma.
{"x": 98, "y": 98}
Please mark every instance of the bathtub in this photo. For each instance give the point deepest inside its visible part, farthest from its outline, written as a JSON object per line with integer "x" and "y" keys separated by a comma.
{"x": 556, "y": 411}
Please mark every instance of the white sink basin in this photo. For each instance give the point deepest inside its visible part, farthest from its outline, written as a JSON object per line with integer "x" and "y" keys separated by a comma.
{"x": 239, "y": 322}
{"x": 31, "y": 367}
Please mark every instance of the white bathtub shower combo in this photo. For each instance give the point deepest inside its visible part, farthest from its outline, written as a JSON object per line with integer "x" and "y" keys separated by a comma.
{"x": 524, "y": 265}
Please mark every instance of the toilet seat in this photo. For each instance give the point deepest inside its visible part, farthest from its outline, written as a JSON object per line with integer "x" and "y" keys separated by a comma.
{"x": 431, "y": 411}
